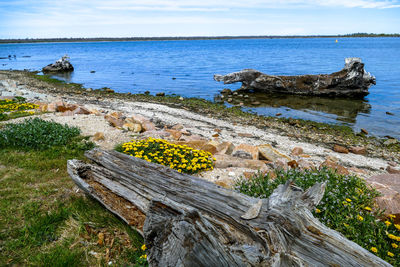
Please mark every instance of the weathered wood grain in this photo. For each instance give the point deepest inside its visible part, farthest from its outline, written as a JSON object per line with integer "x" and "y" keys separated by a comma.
{"x": 192, "y": 222}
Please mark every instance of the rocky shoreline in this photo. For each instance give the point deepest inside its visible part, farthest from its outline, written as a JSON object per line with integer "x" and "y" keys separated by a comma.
{"x": 242, "y": 143}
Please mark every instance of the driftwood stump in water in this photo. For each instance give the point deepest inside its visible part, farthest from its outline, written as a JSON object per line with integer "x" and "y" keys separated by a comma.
{"x": 187, "y": 221}
{"x": 352, "y": 80}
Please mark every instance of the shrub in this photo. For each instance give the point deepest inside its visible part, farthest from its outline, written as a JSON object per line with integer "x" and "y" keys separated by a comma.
{"x": 180, "y": 157}
{"x": 346, "y": 207}
{"x": 8, "y": 105}
{"x": 36, "y": 134}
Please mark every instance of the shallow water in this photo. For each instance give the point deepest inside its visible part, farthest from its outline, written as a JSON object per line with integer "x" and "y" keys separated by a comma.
{"x": 187, "y": 68}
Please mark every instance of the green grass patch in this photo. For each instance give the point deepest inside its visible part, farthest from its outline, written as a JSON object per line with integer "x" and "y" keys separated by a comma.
{"x": 36, "y": 134}
{"x": 347, "y": 207}
{"x": 44, "y": 221}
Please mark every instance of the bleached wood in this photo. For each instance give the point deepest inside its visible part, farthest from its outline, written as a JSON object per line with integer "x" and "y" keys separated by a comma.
{"x": 192, "y": 222}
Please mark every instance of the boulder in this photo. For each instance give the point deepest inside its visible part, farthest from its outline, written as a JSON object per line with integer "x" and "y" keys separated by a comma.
{"x": 245, "y": 151}
{"x": 61, "y": 65}
{"x": 335, "y": 166}
{"x": 133, "y": 127}
{"x": 138, "y": 118}
{"x": 389, "y": 186}
{"x": 297, "y": 151}
{"x": 98, "y": 136}
{"x": 225, "y": 148}
{"x": 95, "y": 112}
{"x": 196, "y": 144}
{"x": 352, "y": 80}
{"x": 174, "y": 133}
{"x": 392, "y": 170}
{"x": 226, "y": 161}
{"x": 148, "y": 126}
{"x": 114, "y": 121}
{"x": 177, "y": 127}
{"x": 269, "y": 153}
{"x": 358, "y": 150}
{"x": 81, "y": 110}
{"x": 340, "y": 149}
{"x": 305, "y": 165}
{"x": 210, "y": 146}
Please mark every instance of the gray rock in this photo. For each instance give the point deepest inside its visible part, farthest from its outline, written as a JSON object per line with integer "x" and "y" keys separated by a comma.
{"x": 61, "y": 65}
{"x": 352, "y": 80}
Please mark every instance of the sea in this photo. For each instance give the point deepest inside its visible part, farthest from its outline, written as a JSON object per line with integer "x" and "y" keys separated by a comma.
{"x": 186, "y": 68}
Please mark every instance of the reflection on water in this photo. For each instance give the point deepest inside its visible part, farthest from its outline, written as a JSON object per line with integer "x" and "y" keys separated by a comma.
{"x": 345, "y": 109}
{"x": 64, "y": 76}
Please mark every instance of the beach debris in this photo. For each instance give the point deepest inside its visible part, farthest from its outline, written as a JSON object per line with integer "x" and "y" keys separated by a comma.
{"x": 61, "y": 65}
{"x": 352, "y": 80}
{"x": 179, "y": 214}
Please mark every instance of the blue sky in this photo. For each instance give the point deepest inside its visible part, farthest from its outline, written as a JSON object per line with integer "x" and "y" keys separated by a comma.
{"x": 131, "y": 18}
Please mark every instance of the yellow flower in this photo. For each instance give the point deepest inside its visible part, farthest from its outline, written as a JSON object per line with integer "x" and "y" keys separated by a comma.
{"x": 374, "y": 249}
{"x": 394, "y": 245}
{"x": 143, "y": 247}
{"x": 392, "y": 216}
{"x": 144, "y": 256}
{"x": 317, "y": 211}
{"x": 348, "y": 199}
{"x": 345, "y": 224}
{"x": 360, "y": 218}
{"x": 368, "y": 208}
{"x": 397, "y": 226}
{"x": 388, "y": 223}
{"x": 390, "y": 254}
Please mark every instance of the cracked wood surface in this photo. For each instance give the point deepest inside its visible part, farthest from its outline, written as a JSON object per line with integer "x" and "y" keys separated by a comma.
{"x": 192, "y": 222}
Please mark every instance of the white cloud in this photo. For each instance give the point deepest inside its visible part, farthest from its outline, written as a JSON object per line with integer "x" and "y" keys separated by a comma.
{"x": 182, "y": 17}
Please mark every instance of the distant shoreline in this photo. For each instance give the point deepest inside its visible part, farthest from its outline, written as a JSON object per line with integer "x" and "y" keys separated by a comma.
{"x": 122, "y": 39}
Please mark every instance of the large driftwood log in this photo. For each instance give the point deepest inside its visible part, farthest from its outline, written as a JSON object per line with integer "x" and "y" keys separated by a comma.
{"x": 187, "y": 221}
{"x": 352, "y": 80}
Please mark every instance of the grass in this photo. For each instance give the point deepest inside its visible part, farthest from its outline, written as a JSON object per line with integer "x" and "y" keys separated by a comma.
{"x": 36, "y": 134}
{"x": 45, "y": 222}
{"x": 347, "y": 207}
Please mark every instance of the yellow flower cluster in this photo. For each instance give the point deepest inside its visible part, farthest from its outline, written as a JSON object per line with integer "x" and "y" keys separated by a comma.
{"x": 144, "y": 256}
{"x": 179, "y": 157}
{"x": 8, "y": 105}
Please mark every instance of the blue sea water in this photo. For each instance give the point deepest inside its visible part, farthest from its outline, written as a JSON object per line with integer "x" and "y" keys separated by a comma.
{"x": 187, "y": 67}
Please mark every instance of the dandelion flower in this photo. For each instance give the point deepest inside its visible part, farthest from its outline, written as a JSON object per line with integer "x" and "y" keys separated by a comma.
{"x": 317, "y": 211}
{"x": 360, "y": 218}
{"x": 348, "y": 199}
{"x": 388, "y": 223}
{"x": 368, "y": 208}
{"x": 394, "y": 245}
{"x": 144, "y": 247}
{"x": 390, "y": 254}
{"x": 374, "y": 249}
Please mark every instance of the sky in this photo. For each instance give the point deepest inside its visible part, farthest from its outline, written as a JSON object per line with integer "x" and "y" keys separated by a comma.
{"x": 161, "y": 18}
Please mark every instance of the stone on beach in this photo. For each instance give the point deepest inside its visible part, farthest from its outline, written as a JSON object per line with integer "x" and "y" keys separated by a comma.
{"x": 269, "y": 153}
{"x": 330, "y": 164}
{"x": 245, "y": 151}
{"x": 340, "y": 149}
{"x": 358, "y": 150}
{"x": 389, "y": 186}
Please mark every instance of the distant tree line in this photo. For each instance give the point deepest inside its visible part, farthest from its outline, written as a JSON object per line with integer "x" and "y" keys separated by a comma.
{"x": 109, "y": 39}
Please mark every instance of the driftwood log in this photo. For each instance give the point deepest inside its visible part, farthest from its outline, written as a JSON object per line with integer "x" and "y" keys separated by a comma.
{"x": 352, "y": 80}
{"x": 187, "y": 221}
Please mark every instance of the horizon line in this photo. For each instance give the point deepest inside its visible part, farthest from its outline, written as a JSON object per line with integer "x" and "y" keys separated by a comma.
{"x": 202, "y": 37}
